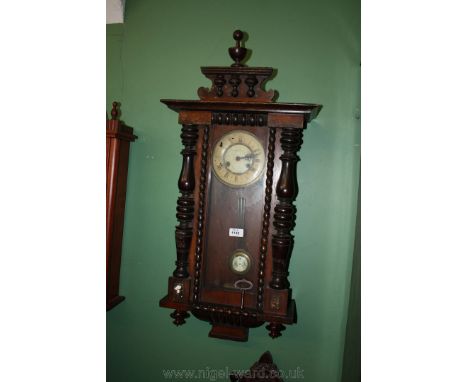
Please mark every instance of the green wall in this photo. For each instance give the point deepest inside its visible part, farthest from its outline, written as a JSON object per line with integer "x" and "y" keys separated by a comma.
{"x": 156, "y": 53}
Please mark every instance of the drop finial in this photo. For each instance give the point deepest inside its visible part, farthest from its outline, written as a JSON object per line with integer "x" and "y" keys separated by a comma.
{"x": 115, "y": 110}
{"x": 237, "y": 52}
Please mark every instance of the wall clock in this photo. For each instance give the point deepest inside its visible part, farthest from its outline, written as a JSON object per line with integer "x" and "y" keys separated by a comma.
{"x": 235, "y": 211}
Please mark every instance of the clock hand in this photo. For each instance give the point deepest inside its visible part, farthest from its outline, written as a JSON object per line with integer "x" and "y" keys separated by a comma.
{"x": 248, "y": 156}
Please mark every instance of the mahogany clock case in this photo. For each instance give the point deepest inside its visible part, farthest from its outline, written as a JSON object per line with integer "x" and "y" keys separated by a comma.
{"x": 209, "y": 206}
{"x": 118, "y": 139}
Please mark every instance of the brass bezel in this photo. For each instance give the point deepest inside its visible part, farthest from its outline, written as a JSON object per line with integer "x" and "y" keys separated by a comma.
{"x": 243, "y": 253}
{"x": 260, "y": 174}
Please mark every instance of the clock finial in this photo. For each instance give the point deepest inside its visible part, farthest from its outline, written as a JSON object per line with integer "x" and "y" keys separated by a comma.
{"x": 115, "y": 110}
{"x": 237, "y": 52}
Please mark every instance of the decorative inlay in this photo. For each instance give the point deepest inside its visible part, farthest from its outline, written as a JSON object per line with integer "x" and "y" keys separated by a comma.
{"x": 179, "y": 291}
{"x": 275, "y": 302}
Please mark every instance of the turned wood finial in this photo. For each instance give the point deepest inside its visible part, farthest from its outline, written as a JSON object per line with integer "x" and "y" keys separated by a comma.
{"x": 115, "y": 110}
{"x": 237, "y": 82}
{"x": 237, "y": 53}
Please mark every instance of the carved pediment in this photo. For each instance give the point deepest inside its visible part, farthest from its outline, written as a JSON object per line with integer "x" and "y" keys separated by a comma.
{"x": 237, "y": 82}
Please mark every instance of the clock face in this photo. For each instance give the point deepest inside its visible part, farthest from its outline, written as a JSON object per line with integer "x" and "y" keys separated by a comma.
{"x": 238, "y": 159}
{"x": 240, "y": 262}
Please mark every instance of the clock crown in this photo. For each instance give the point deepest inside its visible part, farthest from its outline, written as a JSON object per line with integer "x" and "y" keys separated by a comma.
{"x": 237, "y": 83}
{"x": 115, "y": 110}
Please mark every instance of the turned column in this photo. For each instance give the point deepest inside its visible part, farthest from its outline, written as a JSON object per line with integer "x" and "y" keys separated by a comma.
{"x": 283, "y": 222}
{"x": 185, "y": 202}
{"x": 285, "y": 211}
{"x": 179, "y": 284}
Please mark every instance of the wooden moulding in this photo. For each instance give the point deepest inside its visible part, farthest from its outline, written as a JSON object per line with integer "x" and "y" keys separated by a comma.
{"x": 307, "y": 110}
{"x": 286, "y": 120}
{"x": 180, "y": 290}
{"x": 188, "y": 117}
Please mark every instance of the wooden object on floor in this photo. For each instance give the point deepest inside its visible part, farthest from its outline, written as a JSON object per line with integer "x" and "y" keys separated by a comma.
{"x": 262, "y": 370}
{"x": 118, "y": 138}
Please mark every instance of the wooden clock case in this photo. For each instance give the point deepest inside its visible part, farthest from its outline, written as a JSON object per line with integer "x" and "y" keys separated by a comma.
{"x": 118, "y": 139}
{"x": 206, "y": 208}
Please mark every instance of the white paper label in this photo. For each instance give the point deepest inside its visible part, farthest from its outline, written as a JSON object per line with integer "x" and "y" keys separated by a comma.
{"x": 236, "y": 232}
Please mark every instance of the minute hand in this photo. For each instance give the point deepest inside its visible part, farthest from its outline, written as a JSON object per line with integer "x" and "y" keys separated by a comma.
{"x": 248, "y": 156}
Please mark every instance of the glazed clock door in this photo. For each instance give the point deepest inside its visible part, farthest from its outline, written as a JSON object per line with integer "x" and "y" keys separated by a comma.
{"x": 234, "y": 215}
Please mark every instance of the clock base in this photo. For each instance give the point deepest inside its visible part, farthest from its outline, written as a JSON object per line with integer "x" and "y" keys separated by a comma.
{"x": 228, "y": 332}
{"x": 226, "y": 324}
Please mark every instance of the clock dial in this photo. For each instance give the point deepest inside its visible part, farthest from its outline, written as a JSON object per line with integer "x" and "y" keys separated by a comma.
{"x": 238, "y": 159}
{"x": 240, "y": 262}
